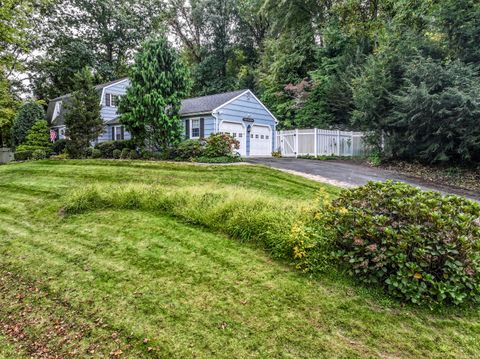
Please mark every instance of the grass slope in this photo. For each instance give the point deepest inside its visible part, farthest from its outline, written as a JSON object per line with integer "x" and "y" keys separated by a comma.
{"x": 135, "y": 284}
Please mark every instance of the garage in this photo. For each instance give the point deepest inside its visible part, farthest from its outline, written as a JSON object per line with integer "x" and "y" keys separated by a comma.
{"x": 237, "y": 131}
{"x": 260, "y": 141}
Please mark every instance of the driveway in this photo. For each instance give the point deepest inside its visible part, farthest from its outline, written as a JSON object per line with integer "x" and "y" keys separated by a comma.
{"x": 350, "y": 174}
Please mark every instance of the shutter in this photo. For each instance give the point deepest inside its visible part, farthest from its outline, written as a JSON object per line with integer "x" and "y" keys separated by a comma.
{"x": 107, "y": 99}
{"x": 202, "y": 128}
{"x": 113, "y": 133}
{"x": 123, "y": 133}
{"x": 187, "y": 128}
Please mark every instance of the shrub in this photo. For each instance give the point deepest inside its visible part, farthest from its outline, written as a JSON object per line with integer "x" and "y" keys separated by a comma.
{"x": 420, "y": 246}
{"x": 27, "y": 115}
{"x": 107, "y": 148}
{"x": 59, "y": 146}
{"x": 37, "y": 138}
{"x": 133, "y": 155}
{"x": 88, "y": 152}
{"x": 60, "y": 157}
{"x": 39, "y": 154}
{"x": 96, "y": 153}
{"x": 125, "y": 154}
{"x": 116, "y": 153}
{"x": 189, "y": 149}
{"x": 22, "y": 155}
{"x": 220, "y": 144}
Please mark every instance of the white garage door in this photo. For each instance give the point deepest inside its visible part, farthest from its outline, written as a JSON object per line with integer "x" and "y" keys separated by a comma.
{"x": 237, "y": 131}
{"x": 260, "y": 141}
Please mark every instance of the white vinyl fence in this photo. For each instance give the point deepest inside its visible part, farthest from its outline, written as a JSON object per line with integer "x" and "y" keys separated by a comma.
{"x": 316, "y": 142}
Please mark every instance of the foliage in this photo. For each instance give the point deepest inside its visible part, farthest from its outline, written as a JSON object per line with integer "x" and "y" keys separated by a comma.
{"x": 188, "y": 149}
{"x": 38, "y": 138}
{"x": 27, "y": 115}
{"x": 7, "y": 111}
{"x": 420, "y": 246}
{"x": 22, "y": 155}
{"x": 106, "y": 148}
{"x": 220, "y": 144}
{"x": 39, "y": 154}
{"x": 125, "y": 153}
{"x": 59, "y": 146}
{"x": 96, "y": 153}
{"x": 435, "y": 117}
{"x": 101, "y": 35}
{"x": 158, "y": 81}
{"x": 82, "y": 115}
{"x": 116, "y": 154}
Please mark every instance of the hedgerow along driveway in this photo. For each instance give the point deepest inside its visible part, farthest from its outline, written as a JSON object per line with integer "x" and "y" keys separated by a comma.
{"x": 350, "y": 174}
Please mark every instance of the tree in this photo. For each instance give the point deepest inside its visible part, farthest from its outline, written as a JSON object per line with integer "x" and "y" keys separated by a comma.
{"x": 29, "y": 113}
{"x": 102, "y": 35}
{"x": 37, "y": 138}
{"x": 158, "y": 82}
{"x": 7, "y": 111}
{"x": 82, "y": 115}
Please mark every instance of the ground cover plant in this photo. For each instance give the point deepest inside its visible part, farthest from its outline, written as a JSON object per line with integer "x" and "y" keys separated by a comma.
{"x": 119, "y": 279}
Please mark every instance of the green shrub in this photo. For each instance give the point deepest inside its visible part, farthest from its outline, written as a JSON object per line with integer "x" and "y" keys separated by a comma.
{"x": 133, "y": 155}
{"x": 189, "y": 149}
{"x": 220, "y": 145}
{"x": 39, "y": 154}
{"x": 125, "y": 154}
{"x": 22, "y": 155}
{"x": 420, "y": 246}
{"x": 107, "y": 148}
{"x": 88, "y": 152}
{"x": 59, "y": 146}
{"x": 60, "y": 157}
{"x": 37, "y": 138}
{"x": 116, "y": 153}
{"x": 96, "y": 153}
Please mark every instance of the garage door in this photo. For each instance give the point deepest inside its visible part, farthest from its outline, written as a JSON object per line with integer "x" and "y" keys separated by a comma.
{"x": 260, "y": 141}
{"x": 237, "y": 131}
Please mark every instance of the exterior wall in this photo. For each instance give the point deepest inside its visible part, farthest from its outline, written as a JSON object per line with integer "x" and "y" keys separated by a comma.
{"x": 247, "y": 106}
{"x": 209, "y": 123}
{"x": 110, "y": 113}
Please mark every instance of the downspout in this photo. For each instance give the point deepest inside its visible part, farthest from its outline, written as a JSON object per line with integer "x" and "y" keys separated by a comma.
{"x": 215, "y": 115}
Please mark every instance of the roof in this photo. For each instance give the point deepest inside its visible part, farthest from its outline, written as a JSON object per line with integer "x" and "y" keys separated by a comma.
{"x": 206, "y": 104}
{"x": 189, "y": 106}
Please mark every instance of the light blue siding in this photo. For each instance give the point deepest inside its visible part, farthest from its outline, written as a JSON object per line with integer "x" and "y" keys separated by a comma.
{"x": 110, "y": 113}
{"x": 248, "y": 106}
{"x": 209, "y": 123}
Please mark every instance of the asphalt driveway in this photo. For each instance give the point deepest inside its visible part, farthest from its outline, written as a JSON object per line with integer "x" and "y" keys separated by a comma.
{"x": 350, "y": 174}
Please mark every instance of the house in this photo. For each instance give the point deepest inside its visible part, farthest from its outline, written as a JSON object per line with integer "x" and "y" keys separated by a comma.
{"x": 238, "y": 113}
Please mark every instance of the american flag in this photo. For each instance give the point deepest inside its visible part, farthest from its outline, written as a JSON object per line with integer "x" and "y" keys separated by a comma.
{"x": 53, "y": 135}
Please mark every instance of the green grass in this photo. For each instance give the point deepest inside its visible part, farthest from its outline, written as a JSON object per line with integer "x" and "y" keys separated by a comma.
{"x": 143, "y": 283}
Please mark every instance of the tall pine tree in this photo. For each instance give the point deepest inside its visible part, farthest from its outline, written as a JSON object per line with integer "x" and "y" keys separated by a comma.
{"x": 158, "y": 82}
{"x": 82, "y": 116}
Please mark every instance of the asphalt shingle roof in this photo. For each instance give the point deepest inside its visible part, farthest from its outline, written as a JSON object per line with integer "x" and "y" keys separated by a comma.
{"x": 206, "y": 104}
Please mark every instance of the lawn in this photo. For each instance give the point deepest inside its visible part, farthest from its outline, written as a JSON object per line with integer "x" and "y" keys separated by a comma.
{"x": 138, "y": 283}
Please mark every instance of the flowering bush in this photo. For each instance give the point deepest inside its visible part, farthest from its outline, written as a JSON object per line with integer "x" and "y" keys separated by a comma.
{"x": 420, "y": 246}
{"x": 220, "y": 144}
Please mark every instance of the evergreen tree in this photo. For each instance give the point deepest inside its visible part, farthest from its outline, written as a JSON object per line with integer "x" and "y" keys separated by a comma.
{"x": 7, "y": 111}
{"x": 82, "y": 115}
{"x": 37, "y": 137}
{"x": 29, "y": 113}
{"x": 158, "y": 82}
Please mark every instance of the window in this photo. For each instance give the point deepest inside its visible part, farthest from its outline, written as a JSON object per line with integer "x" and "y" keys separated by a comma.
{"x": 234, "y": 134}
{"x": 240, "y": 134}
{"x": 262, "y": 137}
{"x": 195, "y": 129}
{"x": 57, "y": 109}
{"x": 256, "y": 136}
{"x": 111, "y": 100}
{"x": 117, "y": 133}
{"x": 251, "y": 135}
{"x": 266, "y": 137}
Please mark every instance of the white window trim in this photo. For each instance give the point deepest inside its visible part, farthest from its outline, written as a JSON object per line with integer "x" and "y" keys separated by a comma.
{"x": 191, "y": 127}
{"x": 56, "y": 110}
{"x": 114, "y": 129}
{"x": 110, "y": 100}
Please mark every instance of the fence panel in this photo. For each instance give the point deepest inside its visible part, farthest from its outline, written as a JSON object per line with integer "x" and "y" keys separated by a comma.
{"x": 318, "y": 142}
